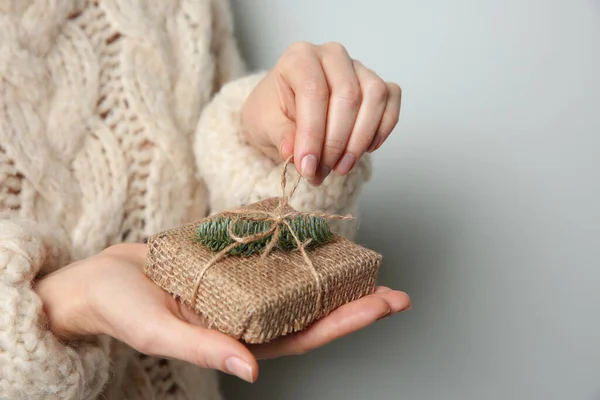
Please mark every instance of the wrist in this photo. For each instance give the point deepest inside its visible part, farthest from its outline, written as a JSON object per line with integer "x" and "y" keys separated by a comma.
{"x": 65, "y": 304}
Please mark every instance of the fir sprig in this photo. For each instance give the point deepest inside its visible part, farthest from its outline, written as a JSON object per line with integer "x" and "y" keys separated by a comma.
{"x": 214, "y": 234}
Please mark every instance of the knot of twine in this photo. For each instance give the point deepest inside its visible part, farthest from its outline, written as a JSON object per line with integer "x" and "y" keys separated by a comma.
{"x": 279, "y": 218}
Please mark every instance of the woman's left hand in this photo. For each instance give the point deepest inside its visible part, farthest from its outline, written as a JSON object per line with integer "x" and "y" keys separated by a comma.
{"x": 322, "y": 107}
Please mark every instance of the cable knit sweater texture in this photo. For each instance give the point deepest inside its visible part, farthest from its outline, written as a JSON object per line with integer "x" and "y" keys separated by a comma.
{"x": 118, "y": 119}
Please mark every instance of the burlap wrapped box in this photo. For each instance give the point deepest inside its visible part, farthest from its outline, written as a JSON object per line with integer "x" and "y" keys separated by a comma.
{"x": 256, "y": 301}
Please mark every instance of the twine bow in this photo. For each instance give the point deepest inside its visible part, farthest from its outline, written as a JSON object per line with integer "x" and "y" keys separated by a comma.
{"x": 279, "y": 218}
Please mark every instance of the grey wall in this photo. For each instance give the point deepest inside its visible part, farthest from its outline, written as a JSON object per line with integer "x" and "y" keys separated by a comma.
{"x": 485, "y": 202}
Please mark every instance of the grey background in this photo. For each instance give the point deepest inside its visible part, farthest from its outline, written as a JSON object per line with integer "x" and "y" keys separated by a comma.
{"x": 485, "y": 202}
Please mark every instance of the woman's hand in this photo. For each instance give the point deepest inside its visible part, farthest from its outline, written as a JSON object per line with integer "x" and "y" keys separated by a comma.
{"x": 109, "y": 294}
{"x": 322, "y": 107}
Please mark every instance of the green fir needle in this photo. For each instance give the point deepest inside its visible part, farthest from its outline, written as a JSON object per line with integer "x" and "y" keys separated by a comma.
{"x": 214, "y": 234}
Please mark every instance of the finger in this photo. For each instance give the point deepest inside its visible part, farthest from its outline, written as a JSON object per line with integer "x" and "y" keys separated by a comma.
{"x": 206, "y": 348}
{"x": 375, "y": 97}
{"x": 381, "y": 289}
{"x": 344, "y": 103}
{"x": 396, "y": 301}
{"x": 301, "y": 69}
{"x": 283, "y": 137}
{"x": 390, "y": 117}
{"x": 348, "y": 318}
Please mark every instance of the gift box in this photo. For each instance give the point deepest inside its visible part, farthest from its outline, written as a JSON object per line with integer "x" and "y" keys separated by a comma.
{"x": 260, "y": 289}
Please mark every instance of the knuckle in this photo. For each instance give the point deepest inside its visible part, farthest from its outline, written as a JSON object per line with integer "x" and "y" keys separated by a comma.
{"x": 199, "y": 357}
{"x": 296, "y": 55}
{"x": 350, "y": 92}
{"x": 292, "y": 60}
{"x": 300, "y": 48}
{"x": 334, "y": 47}
{"x": 311, "y": 133}
{"x": 315, "y": 90}
{"x": 395, "y": 89}
{"x": 335, "y": 146}
{"x": 377, "y": 89}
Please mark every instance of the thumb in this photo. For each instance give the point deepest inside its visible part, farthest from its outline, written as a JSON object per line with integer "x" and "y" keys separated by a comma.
{"x": 268, "y": 118}
{"x": 284, "y": 133}
{"x": 204, "y": 347}
{"x": 280, "y": 144}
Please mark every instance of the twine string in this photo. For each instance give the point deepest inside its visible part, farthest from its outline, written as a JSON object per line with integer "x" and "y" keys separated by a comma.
{"x": 278, "y": 219}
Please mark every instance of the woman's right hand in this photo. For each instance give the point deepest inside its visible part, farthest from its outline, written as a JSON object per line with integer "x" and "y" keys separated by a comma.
{"x": 109, "y": 294}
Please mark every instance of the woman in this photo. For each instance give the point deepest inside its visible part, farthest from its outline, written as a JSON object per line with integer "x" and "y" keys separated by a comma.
{"x": 120, "y": 119}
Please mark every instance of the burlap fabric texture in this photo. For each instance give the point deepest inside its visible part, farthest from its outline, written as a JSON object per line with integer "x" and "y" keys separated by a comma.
{"x": 257, "y": 299}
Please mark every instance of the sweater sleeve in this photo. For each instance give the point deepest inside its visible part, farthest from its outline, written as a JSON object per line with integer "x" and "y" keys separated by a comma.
{"x": 34, "y": 364}
{"x": 236, "y": 173}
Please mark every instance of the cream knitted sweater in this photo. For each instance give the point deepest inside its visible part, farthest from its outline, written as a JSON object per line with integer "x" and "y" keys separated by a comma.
{"x": 118, "y": 119}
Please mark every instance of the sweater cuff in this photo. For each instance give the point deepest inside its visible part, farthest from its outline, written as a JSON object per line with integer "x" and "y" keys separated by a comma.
{"x": 33, "y": 362}
{"x": 237, "y": 174}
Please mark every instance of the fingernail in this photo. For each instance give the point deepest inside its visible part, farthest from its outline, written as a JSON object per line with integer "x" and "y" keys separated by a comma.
{"x": 324, "y": 171}
{"x": 240, "y": 368}
{"x": 309, "y": 166}
{"x": 346, "y": 164}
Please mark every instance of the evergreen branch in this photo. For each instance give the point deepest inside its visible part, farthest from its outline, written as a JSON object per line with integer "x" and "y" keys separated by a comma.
{"x": 214, "y": 234}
